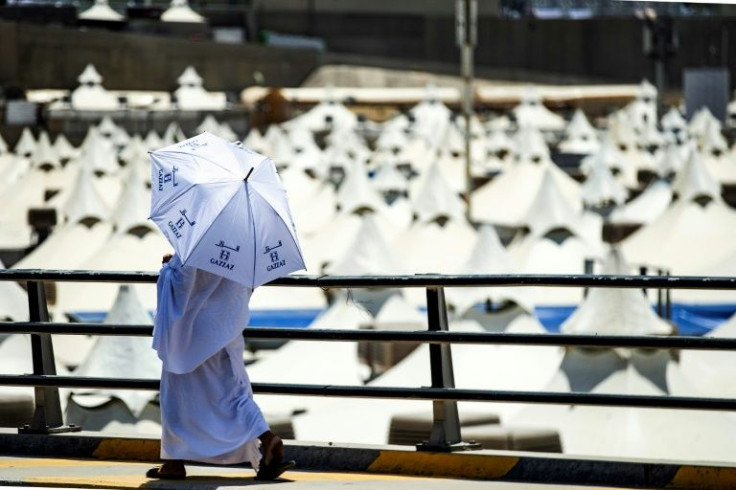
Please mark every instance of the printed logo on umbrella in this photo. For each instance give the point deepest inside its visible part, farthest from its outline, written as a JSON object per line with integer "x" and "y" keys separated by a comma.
{"x": 167, "y": 178}
{"x": 224, "y": 260}
{"x": 176, "y": 227}
{"x": 274, "y": 255}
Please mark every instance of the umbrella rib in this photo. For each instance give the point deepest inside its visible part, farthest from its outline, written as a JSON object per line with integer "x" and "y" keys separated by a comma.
{"x": 253, "y": 225}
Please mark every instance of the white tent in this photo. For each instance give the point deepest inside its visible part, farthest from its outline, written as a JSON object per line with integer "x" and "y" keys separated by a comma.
{"x": 687, "y": 229}
{"x": 180, "y": 11}
{"x": 694, "y": 180}
{"x": 630, "y": 432}
{"x": 673, "y": 121}
{"x": 83, "y": 200}
{"x": 13, "y": 302}
{"x": 133, "y": 207}
{"x": 531, "y": 112}
{"x": 475, "y": 367}
{"x": 711, "y": 372}
{"x": 436, "y": 199}
{"x": 191, "y": 95}
{"x": 647, "y": 206}
{"x": 26, "y": 143}
{"x": 356, "y": 192}
{"x": 314, "y": 362}
{"x": 122, "y": 252}
{"x": 91, "y": 95}
{"x": 44, "y": 155}
{"x": 64, "y": 150}
{"x": 601, "y": 186}
{"x": 429, "y": 247}
{"x": 115, "y": 356}
{"x": 487, "y": 257}
{"x": 506, "y": 199}
{"x": 326, "y": 115}
{"x": 101, "y": 11}
{"x": 619, "y": 311}
{"x": 369, "y": 254}
{"x": 580, "y": 136}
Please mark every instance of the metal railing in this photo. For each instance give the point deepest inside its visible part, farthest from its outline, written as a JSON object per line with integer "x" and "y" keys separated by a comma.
{"x": 445, "y": 435}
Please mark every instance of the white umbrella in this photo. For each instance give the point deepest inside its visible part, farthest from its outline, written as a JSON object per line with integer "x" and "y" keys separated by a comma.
{"x": 224, "y": 210}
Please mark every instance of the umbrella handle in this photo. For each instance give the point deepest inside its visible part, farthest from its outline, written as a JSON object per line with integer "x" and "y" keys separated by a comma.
{"x": 249, "y": 172}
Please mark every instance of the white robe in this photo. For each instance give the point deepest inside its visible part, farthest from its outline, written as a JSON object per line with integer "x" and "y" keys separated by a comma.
{"x": 207, "y": 409}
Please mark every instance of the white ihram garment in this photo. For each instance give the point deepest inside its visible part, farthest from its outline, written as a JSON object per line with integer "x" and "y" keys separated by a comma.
{"x": 207, "y": 409}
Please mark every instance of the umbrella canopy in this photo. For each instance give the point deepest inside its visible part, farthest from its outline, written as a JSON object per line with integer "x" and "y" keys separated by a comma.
{"x": 223, "y": 209}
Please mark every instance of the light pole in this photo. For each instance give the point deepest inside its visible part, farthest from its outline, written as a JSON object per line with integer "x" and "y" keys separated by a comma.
{"x": 466, "y": 16}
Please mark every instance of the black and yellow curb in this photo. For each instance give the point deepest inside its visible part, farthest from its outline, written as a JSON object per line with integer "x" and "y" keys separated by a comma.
{"x": 478, "y": 465}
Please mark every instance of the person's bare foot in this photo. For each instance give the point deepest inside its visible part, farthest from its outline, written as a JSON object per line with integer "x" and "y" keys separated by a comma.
{"x": 273, "y": 447}
{"x": 174, "y": 469}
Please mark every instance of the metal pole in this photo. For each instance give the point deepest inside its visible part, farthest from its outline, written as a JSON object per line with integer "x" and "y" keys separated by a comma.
{"x": 445, "y": 435}
{"x": 466, "y": 20}
{"x": 47, "y": 416}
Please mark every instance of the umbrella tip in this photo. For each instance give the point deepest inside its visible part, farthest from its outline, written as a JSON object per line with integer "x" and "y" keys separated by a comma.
{"x": 249, "y": 172}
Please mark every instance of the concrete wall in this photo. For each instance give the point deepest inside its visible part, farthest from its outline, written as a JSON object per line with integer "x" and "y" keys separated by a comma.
{"x": 604, "y": 49}
{"x": 35, "y": 56}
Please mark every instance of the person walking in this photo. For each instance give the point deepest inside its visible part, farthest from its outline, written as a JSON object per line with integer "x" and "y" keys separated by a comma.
{"x": 207, "y": 409}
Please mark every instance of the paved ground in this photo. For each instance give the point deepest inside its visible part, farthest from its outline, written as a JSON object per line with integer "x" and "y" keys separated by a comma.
{"x": 81, "y": 473}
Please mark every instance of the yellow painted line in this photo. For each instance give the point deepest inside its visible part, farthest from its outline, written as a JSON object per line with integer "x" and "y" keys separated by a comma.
{"x": 307, "y": 477}
{"x": 124, "y": 482}
{"x": 115, "y": 482}
{"x": 47, "y": 462}
{"x": 705, "y": 478}
{"x": 137, "y": 449}
{"x": 443, "y": 464}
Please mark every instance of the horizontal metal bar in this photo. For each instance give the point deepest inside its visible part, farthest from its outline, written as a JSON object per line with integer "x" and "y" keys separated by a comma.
{"x": 419, "y": 280}
{"x": 422, "y": 336}
{"x": 424, "y": 393}
{"x": 77, "y": 329}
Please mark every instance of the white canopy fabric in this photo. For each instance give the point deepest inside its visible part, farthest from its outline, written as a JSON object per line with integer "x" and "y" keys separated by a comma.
{"x": 673, "y": 121}
{"x": 122, "y": 252}
{"x": 532, "y": 112}
{"x": 369, "y": 254}
{"x": 694, "y": 180}
{"x": 506, "y": 199}
{"x": 90, "y": 95}
{"x": 550, "y": 209}
{"x": 180, "y": 11}
{"x": 356, "y": 192}
{"x": 481, "y": 367}
{"x": 116, "y": 356}
{"x": 191, "y": 95}
{"x": 623, "y": 311}
{"x": 300, "y": 362}
{"x": 580, "y": 136}
{"x": 436, "y": 199}
{"x": 711, "y": 372}
{"x": 601, "y": 186}
{"x": 687, "y": 229}
{"x": 26, "y": 143}
{"x": 487, "y": 257}
{"x": 44, "y": 155}
{"x": 647, "y": 206}
{"x": 132, "y": 209}
{"x": 101, "y": 11}
{"x": 62, "y": 249}
{"x": 13, "y": 301}
{"x": 630, "y": 432}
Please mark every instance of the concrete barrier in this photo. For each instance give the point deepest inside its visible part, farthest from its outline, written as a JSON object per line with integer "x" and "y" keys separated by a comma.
{"x": 397, "y": 460}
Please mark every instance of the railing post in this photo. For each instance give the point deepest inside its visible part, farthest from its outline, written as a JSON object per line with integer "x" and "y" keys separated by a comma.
{"x": 445, "y": 435}
{"x": 47, "y": 416}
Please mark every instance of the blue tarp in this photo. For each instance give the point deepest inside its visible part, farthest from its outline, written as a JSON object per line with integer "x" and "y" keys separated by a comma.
{"x": 690, "y": 319}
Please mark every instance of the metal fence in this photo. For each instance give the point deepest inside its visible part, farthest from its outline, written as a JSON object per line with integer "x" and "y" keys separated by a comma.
{"x": 445, "y": 435}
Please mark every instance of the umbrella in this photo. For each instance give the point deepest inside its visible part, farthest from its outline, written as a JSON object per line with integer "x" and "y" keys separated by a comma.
{"x": 223, "y": 209}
